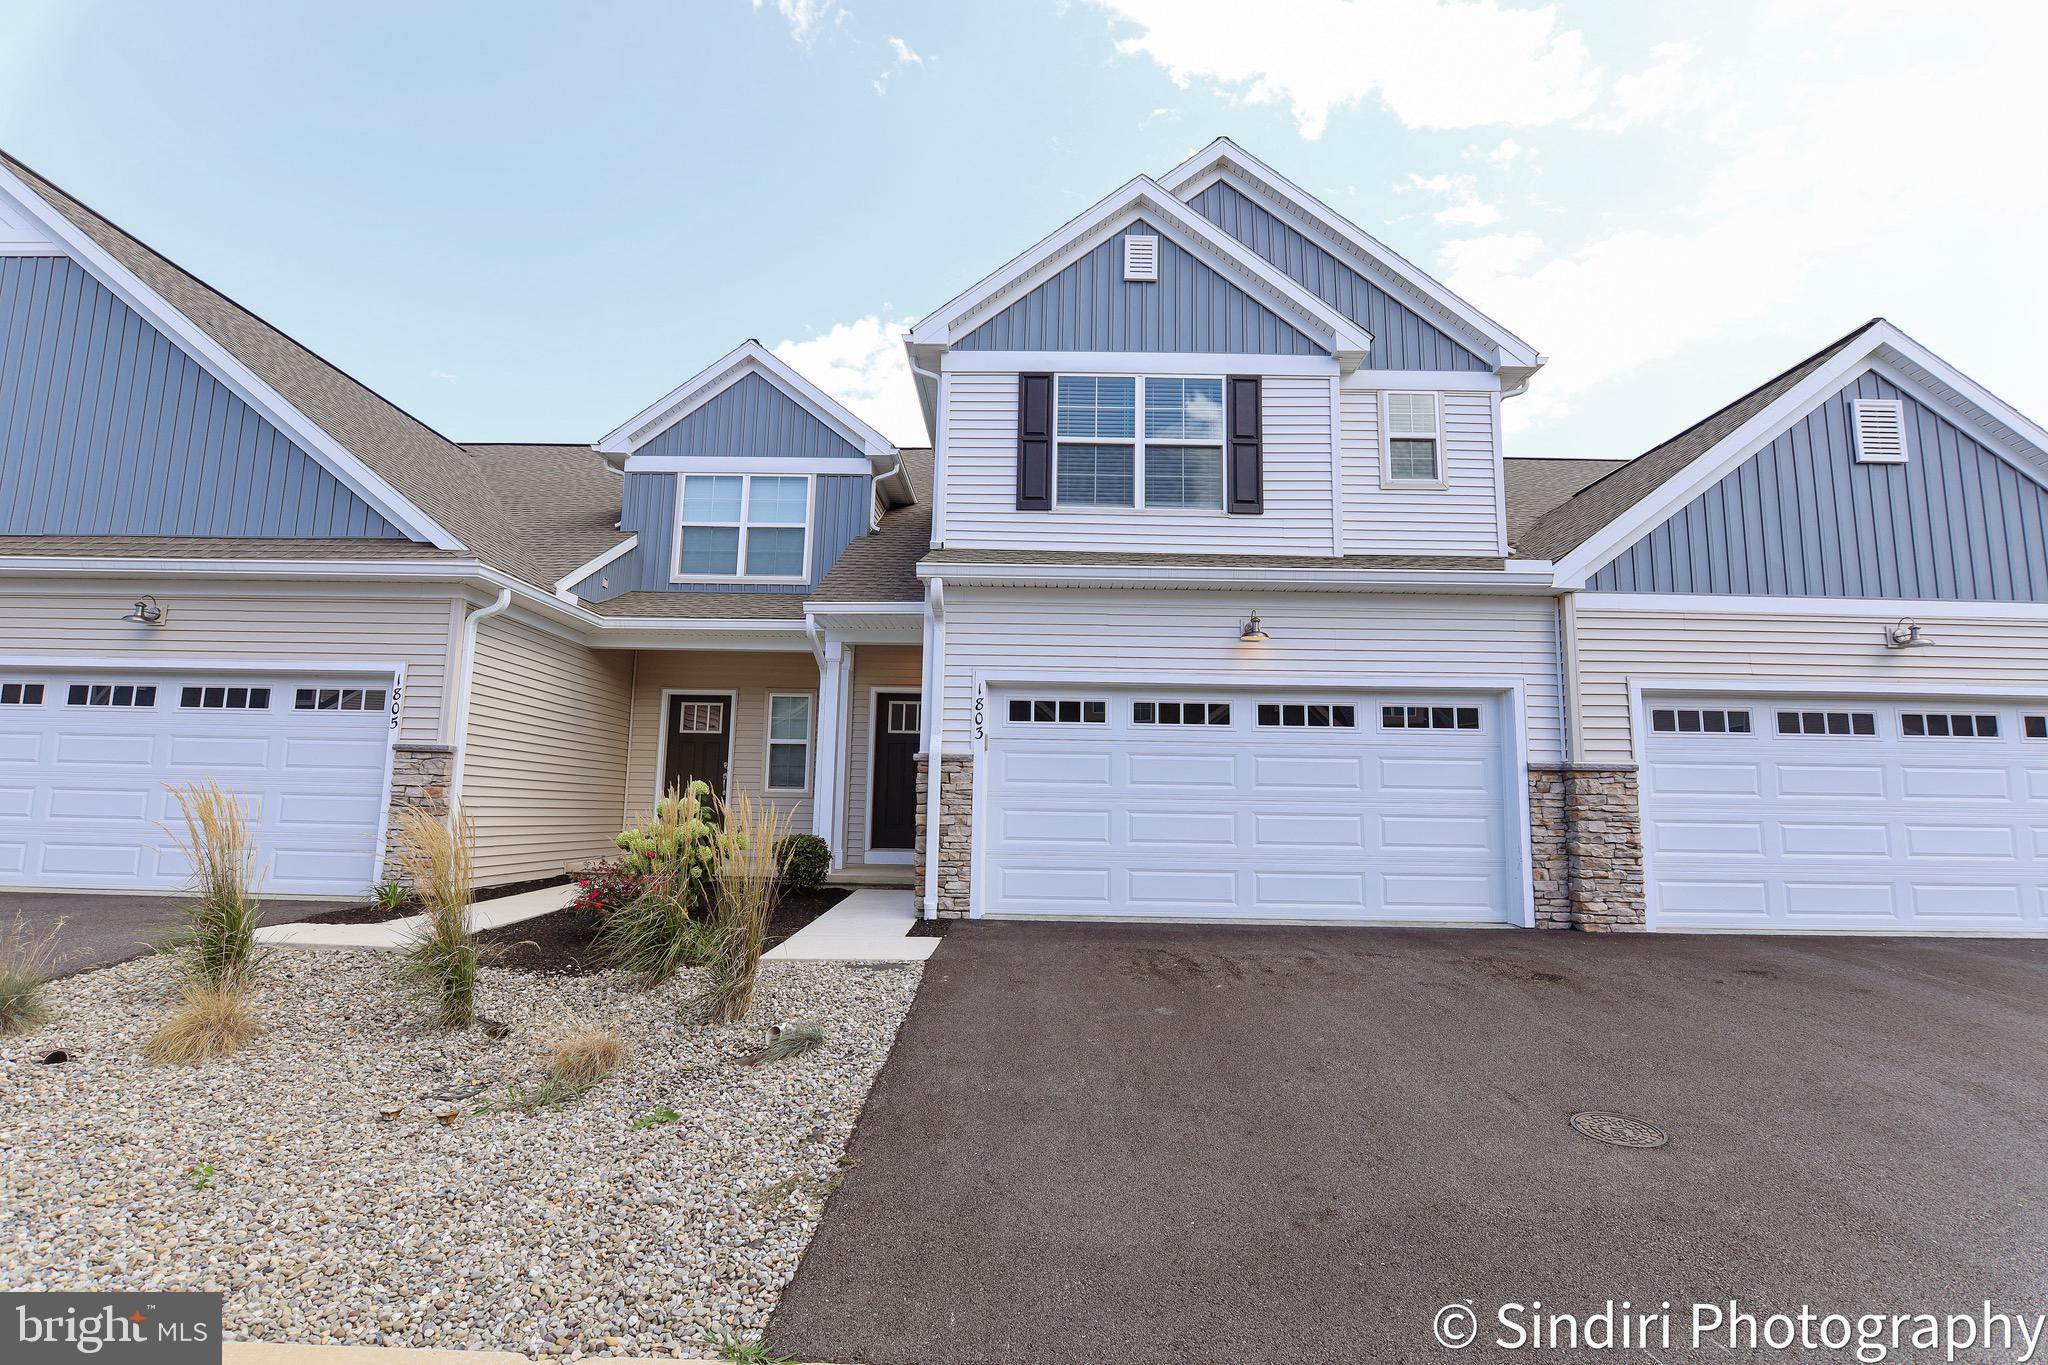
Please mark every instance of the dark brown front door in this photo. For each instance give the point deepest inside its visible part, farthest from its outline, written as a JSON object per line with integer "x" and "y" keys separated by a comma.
{"x": 699, "y": 739}
{"x": 893, "y": 821}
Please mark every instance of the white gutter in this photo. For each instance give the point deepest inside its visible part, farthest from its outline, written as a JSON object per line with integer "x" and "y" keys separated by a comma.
{"x": 465, "y": 675}
{"x": 934, "y": 724}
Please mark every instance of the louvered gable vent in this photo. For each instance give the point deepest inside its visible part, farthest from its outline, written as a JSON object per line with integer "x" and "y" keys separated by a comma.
{"x": 1141, "y": 259}
{"x": 1880, "y": 430}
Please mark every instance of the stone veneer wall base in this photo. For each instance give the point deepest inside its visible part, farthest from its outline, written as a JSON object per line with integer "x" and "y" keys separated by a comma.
{"x": 420, "y": 774}
{"x": 1587, "y": 845}
{"x": 956, "y": 832}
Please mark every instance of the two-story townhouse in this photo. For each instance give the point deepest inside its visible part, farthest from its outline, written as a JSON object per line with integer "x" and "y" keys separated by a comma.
{"x": 1226, "y": 598}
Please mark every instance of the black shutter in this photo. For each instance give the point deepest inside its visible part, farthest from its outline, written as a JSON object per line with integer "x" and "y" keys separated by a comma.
{"x": 1243, "y": 464}
{"x": 1034, "y": 443}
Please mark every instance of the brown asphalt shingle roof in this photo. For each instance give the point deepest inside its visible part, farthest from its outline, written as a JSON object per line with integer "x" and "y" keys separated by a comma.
{"x": 1536, "y": 486}
{"x": 563, "y": 500}
{"x": 704, "y": 606}
{"x": 1575, "y": 521}
{"x": 882, "y": 566}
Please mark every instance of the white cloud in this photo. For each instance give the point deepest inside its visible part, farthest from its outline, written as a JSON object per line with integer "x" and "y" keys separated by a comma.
{"x": 807, "y": 18}
{"x": 906, "y": 55}
{"x": 1464, "y": 209}
{"x": 1455, "y": 64}
{"x": 862, "y": 364}
{"x": 1505, "y": 154}
{"x": 442, "y": 375}
{"x": 1665, "y": 87}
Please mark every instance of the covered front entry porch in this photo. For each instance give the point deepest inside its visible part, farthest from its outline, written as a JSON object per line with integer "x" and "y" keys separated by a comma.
{"x": 828, "y": 729}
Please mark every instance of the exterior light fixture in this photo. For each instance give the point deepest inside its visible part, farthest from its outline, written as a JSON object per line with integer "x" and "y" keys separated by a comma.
{"x": 1905, "y": 635}
{"x": 147, "y": 613}
{"x": 1253, "y": 630}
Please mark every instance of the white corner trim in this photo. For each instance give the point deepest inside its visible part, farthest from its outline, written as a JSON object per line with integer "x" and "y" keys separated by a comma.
{"x": 592, "y": 565}
{"x": 1224, "y": 159}
{"x": 1141, "y": 196}
{"x": 749, "y": 357}
{"x": 1879, "y": 343}
{"x": 243, "y": 382}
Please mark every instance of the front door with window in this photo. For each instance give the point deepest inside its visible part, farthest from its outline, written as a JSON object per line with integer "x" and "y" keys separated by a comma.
{"x": 897, "y": 728}
{"x": 699, "y": 742}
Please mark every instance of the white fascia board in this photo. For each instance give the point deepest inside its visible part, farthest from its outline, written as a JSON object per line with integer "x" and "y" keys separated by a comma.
{"x": 1280, "y": 196}
{"x": 748, "y": 357}
{"x": 747, "y": 464}
{"x": 1537, "y": 582}
{"x": 240, "y": 380}
{"x": 1876, "y": 610}
{"x": 1141, "y": 362}
{"x": 1143, "y": 196}
{"x": 592, "y": 565}
{"x": 1881, "y": 346}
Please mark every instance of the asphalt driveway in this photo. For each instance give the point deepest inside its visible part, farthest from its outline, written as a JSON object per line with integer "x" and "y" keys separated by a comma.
{"x": 1164, "y": 1144}
{"x": 99, "y": 930}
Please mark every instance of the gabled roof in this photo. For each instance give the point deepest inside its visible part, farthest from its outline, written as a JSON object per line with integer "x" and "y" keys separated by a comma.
{"x": 1372, "y": 258}
{"x": 1588, "y": 529}
{"x": 425, "y": 483}
{"x": 1144, "y": 197}
{"x": 882, "y": 565}
{"x": 1536, "y": 485}
{"x": 749, "y": 357}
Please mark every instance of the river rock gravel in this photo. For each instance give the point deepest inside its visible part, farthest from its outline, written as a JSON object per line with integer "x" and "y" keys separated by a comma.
{"x": 272, "y": 1176}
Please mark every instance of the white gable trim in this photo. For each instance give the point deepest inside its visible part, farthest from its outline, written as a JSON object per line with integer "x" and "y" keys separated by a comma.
{"x": 1225, "y": 160}
{"x": 1881, "y": 347}
{"x": 749, "y": 357}
{"x": 1143, "y": 197}
{"x": 240, "y": 380}
{"x": 592, "y": 565}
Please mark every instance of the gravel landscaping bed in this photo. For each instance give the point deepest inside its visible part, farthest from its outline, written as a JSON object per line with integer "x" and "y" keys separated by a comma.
{"x": 271, "y": 1176}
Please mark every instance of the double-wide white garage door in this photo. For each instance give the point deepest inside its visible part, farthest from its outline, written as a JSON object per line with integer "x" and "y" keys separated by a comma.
{"x": 87, "y": 759}
{"x": 1172, "y": 803}
{"x": 1831, "y": 815}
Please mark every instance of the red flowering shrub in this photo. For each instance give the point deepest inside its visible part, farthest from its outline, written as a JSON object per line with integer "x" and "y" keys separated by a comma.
{"x": 604, "y": 887}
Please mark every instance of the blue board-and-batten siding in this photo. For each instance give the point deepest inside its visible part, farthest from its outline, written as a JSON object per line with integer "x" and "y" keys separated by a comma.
{"x": 107, "y": 427}
{"x": 1089, "y": 306}
{"x": 750, "y": 417}
{"x": 1801, "y": 518}
{"x": 1401, "y": 338}
{"x": 841, "y": 504}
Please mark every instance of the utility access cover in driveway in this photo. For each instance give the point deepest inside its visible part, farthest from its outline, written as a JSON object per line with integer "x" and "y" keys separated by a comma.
{"x": 1163, "y": 1144}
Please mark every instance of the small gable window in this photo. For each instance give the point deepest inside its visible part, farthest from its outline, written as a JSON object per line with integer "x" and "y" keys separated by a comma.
{"x": 743, "y": 526}
{"x": 1880, "y": 430}
{"x": 1414, "y": 440}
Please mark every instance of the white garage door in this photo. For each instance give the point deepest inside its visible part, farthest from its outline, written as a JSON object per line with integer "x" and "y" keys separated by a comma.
{"x": 1166, "y": 803}
{"x": 1843, "y": 815}
{"x": 86, "y": 759}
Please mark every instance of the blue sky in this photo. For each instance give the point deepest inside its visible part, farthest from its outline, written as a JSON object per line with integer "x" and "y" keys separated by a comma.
{"x": 525, "y": 222}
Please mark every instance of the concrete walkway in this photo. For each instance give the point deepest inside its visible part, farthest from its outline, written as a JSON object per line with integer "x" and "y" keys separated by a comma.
{"x": 869, "y": 926}
{"x": 393, "y": 935}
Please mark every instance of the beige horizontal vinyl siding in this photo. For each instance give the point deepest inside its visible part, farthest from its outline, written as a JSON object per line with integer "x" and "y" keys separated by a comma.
{"x": 899, "y": 668}
{"x": 544, "y": 776}
{"x": 1831, "y": 649}
{"x": 1463, "y": 517}
{"x": 753, "y": 675}
{"x": 981, "y": 482}
{"x": 309, "y": 623}
{"x": 1321, "y": 639}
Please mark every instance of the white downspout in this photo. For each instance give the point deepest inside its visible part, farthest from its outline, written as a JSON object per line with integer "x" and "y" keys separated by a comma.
{"x": 462, "y": 688}
{"x": 934, "y": 725}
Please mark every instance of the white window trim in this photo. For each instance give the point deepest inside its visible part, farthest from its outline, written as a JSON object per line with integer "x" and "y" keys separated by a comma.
{"x": 769, "y": 741}
{"x": 1137, "y": 442}
{"x": 675, "y": 552}
{"x": 1436, "y": 406}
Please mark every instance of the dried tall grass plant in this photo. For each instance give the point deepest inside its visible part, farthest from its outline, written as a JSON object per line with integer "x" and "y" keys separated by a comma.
{"x": 748, "y": 888}
{"x": 439, "y": 858}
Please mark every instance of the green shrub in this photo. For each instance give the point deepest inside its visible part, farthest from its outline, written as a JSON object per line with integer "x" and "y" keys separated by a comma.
{"x": 680, "y": 844}
{"x": 391, "y": 897}
{"x": 804, "y": 860}
{"x": 26, "y": 962}
{"x": 655, "y": 935}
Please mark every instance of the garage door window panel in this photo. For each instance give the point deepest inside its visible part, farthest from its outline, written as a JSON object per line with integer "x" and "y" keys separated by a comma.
{"x": 1180, "y": 713}
{"x": 21, "y": 694}
{"x": 111, "y": 694}
{"x": 1698, "y": 721}
{"x": 220, "y": 697}
{"x": 1947, "y": 725}
{"x": 339, "y": 699}
{"x": 1411, "y": 717}
{"x": 1291, "y": 715}
{"x": 1058, "y": 711}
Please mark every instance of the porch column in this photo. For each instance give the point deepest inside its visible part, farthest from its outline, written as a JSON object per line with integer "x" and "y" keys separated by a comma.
{"x": 835, "y": 675}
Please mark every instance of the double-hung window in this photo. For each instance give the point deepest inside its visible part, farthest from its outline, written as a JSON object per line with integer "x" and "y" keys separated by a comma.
{"x": 743, "y": 526}
{"x": 1414, "y": 433}
{"x": 789, "y": 741}
{"x": 1125, "y": 441}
